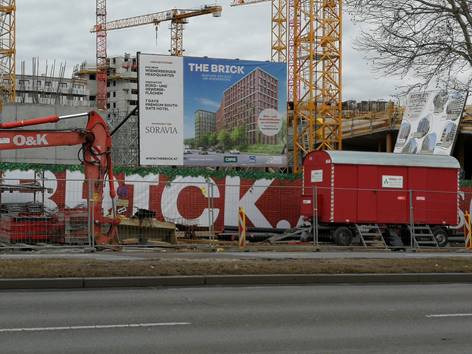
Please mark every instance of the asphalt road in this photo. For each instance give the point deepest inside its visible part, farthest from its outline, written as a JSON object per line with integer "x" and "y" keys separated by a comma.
{"x": 310, "y": 319}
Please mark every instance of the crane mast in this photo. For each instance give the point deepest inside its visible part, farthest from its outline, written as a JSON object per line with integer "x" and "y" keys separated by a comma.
{"x": 7, "y": 51}
{"x": 279, "y": 34}
{"x": 101, "y": 39}
{"x": 317, "y": 87}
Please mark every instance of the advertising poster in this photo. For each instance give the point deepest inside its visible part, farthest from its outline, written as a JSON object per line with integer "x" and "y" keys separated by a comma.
{"x": 233, "y": 112}
{"x": 160, "y": 110}
{"x": 431, "y": 122}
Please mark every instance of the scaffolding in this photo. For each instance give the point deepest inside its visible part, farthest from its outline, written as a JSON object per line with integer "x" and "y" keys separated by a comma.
{"x": 125, "y": 150}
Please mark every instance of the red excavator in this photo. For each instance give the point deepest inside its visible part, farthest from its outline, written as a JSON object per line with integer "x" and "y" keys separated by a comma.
{"x": 96, "y": 158}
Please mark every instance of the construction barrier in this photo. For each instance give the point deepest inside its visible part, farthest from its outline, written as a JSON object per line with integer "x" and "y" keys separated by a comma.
{"x": 242, "y": 228}
{"x": 57, "y": 209}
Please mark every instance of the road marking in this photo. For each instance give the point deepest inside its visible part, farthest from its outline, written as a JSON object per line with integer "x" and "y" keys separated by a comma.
{"x": 450, "y": 315}
{"x": 74, "y": 328}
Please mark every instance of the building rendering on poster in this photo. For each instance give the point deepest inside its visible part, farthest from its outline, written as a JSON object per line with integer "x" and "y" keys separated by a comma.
{"x": 431, "y": 122}
{"x": 233, "y": 112}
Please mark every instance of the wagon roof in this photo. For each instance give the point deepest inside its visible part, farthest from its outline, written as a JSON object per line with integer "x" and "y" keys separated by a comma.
{"x": 390, "y": 159}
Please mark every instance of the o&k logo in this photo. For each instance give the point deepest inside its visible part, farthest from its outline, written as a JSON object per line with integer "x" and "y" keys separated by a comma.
{"x": 38, "y": 140}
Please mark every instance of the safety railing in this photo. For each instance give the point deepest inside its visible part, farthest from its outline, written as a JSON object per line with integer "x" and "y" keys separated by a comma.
{"x": 34, "y": 211}
{"x": 357, "y": 123}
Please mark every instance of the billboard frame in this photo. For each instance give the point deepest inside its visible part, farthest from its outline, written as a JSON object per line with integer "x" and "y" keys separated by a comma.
{"x": 266, "y": 157}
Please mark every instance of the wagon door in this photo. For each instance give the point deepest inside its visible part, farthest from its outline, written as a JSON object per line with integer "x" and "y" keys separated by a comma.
{"x": 367, "y": 194}
{"x": 393, "y": 200}
{"x": 420, "y": 195}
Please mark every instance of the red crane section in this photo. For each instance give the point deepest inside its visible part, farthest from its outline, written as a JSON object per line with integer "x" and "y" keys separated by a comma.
{"x": 101, "y": 33}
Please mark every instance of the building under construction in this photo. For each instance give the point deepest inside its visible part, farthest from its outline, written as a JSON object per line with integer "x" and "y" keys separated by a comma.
{"x": 122, "y": 98}
{"x": 52, "y": 91}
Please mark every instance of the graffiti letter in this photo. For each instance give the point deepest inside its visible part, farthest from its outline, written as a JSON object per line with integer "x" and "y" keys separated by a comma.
{"x": 170, "y": 196}
{"x": 248, "y": 202}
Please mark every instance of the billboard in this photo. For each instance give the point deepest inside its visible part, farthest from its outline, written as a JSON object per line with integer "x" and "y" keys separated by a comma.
{"x": 431, "y": 122}
{"x": 160, "y": 110}
{"x": 215, "y": 112}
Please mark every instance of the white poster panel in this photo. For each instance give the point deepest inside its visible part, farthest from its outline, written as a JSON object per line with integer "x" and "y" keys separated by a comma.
{"x": 161, "y": 108}
{"x": 431, "y": 122}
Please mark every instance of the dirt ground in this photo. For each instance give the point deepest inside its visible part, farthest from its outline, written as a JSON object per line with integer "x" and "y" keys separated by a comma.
{"x": 54, "y": 267}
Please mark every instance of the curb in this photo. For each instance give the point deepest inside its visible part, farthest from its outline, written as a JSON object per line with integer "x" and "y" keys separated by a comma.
{"x": 233, "y": 280}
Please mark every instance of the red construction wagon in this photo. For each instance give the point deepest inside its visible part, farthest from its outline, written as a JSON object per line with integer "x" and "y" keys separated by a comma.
{"x": 382, "y": 193}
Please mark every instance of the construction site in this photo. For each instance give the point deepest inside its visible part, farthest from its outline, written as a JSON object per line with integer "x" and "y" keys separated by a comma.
{"x": 91, "y": 161}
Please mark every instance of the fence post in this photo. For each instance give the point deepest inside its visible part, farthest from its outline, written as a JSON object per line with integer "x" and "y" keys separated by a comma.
{"x": 90, "y": 212}
{"x": 242, "y": 228}
{"x": 412, "y": 221}
{"x": 210, "y": 210}
{"x": 315, "y": 216}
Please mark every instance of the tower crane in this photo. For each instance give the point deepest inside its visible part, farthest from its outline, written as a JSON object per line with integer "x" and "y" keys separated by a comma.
{"x": 177, "y": 17}
{"x": 312, "y": 31}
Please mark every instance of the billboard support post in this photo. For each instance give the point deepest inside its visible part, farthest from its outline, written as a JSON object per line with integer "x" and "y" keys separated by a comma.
{"x": 412, "y": 221}
{"x": 210, "y": 211}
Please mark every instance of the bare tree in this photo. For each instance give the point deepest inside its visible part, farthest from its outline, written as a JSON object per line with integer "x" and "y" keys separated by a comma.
{"x": 427, "y": 39}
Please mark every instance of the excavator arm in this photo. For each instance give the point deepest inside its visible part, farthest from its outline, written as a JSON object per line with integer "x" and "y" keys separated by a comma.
{"x": 26, "y": 139}
{"x": 96, "y": 158}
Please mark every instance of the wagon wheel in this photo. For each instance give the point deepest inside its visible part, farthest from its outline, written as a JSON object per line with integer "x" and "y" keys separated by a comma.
{"x": 343, "y": 236}
{"x": 441, "y": 236}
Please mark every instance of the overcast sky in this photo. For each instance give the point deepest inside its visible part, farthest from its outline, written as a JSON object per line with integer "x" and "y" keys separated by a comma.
{"x": 59, "y": 30}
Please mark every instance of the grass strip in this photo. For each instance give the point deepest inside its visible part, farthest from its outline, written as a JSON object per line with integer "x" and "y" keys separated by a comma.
{"x": 58, "y": 268}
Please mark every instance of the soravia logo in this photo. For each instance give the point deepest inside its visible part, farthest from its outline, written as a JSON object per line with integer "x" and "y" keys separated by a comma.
{"x": 39, "y": 139}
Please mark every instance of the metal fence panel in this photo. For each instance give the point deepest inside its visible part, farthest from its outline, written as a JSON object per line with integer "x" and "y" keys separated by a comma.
{"x": 43, "y": 212}
{"x": 33, "y": 213}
